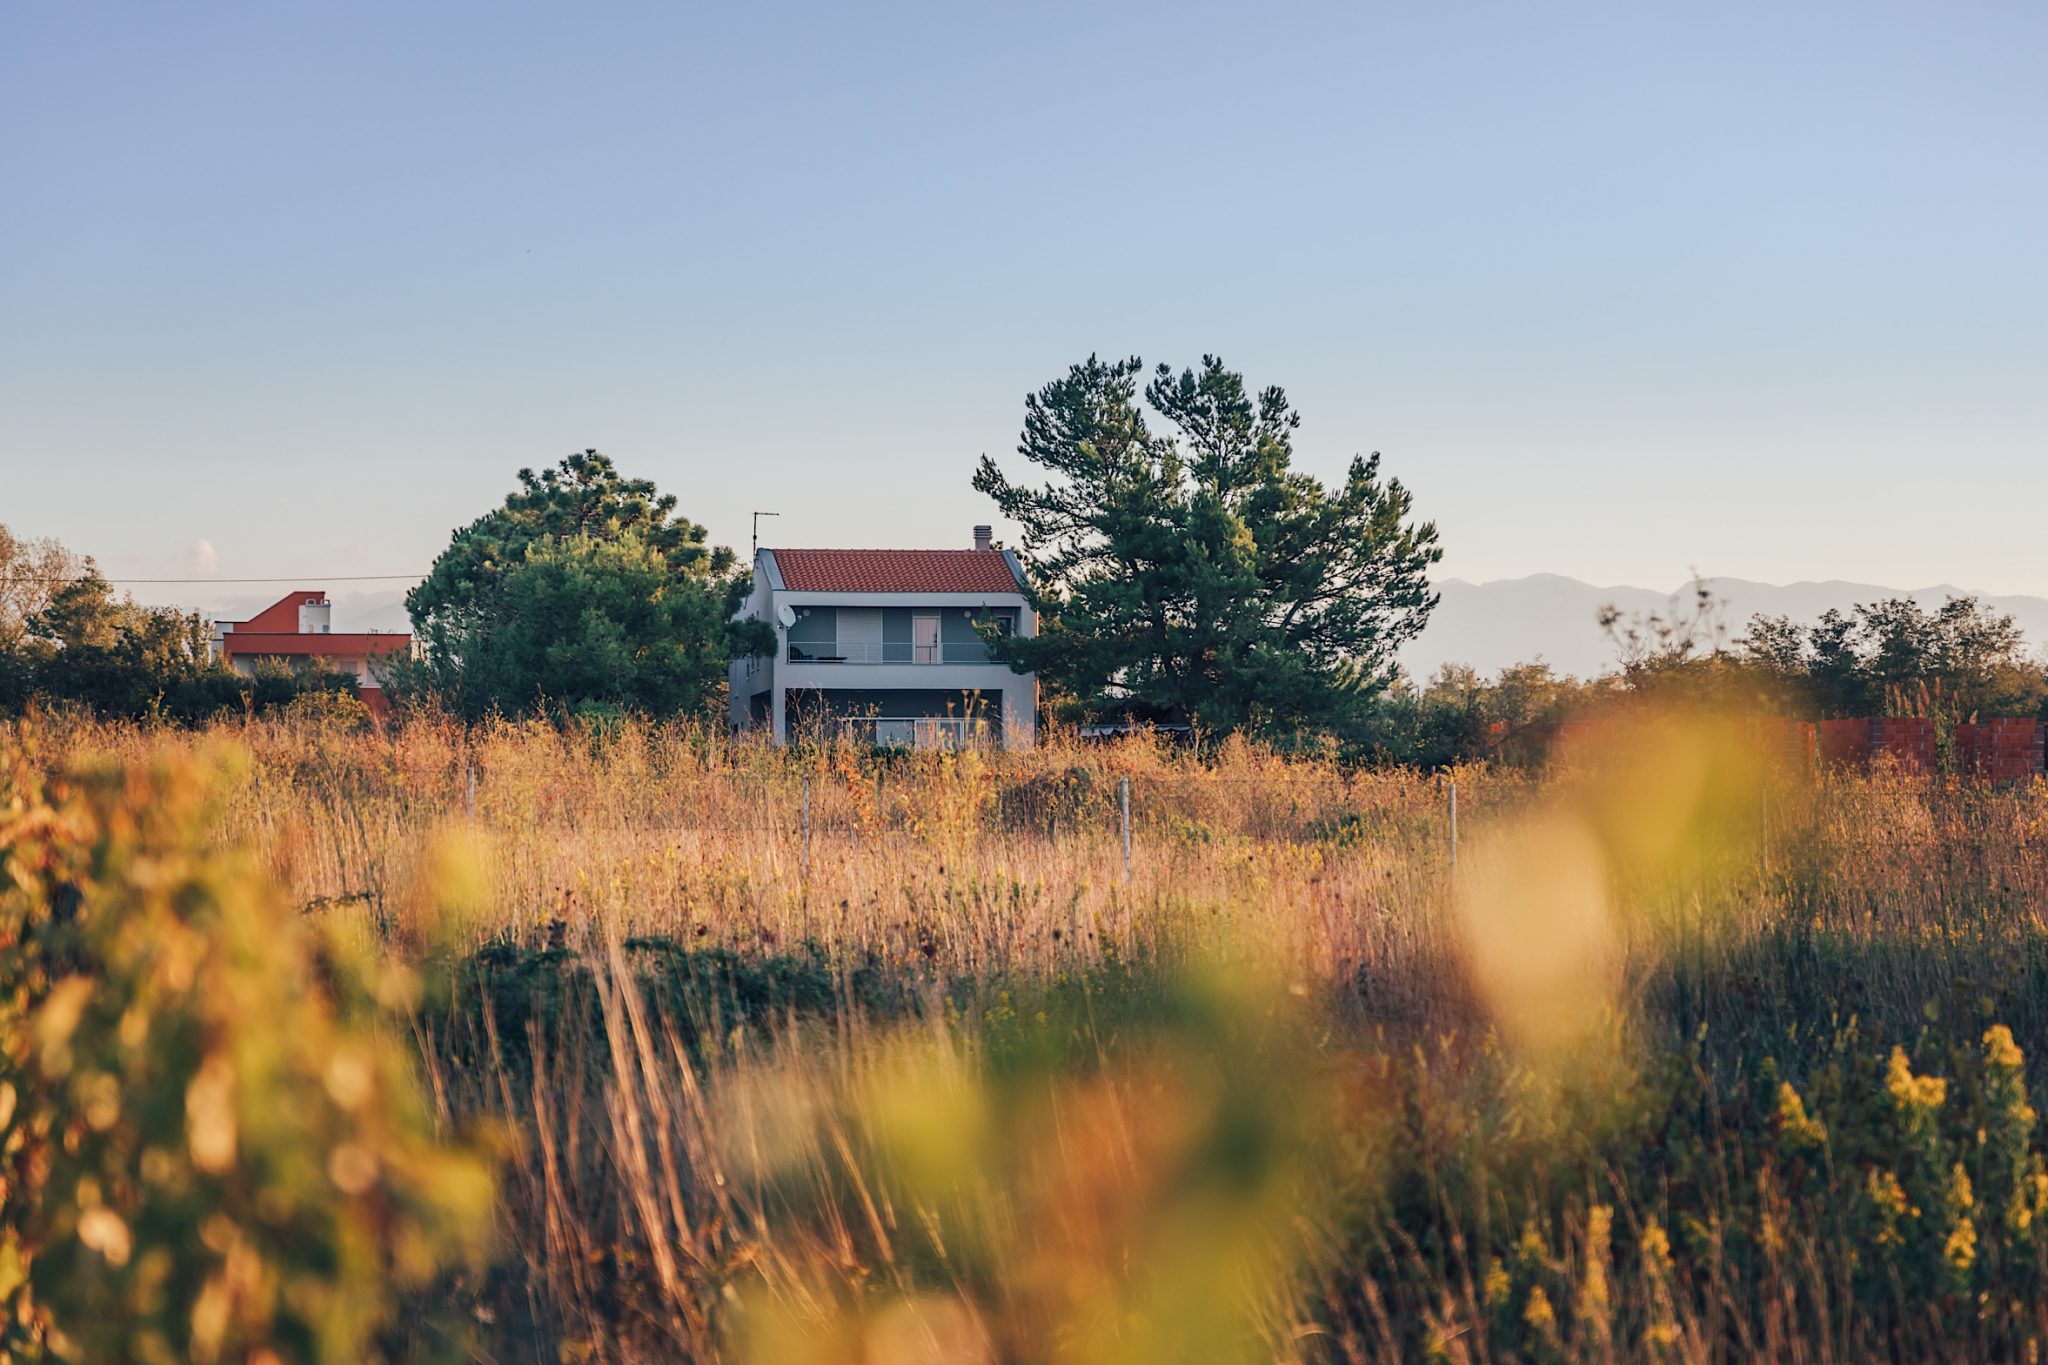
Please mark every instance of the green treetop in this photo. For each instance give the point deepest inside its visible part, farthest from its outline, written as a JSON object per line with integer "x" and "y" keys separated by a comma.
{"x": 585, "y": 587}
{"x": 1194, "y": 575}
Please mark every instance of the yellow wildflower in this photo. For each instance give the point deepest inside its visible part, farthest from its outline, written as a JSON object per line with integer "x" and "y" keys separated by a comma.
{"x": 1888, "y": 1198}
{"x": 2000, "y": 1049}
{"x": 1910, "y": 1091}
{"x": 1656, "y": 1248}
{"x": 1794, "y": 1124}
{"x": 1960, "y": 1250}
{"x": 1593, "y": 1292}
{"x": 1961, "y": 1197}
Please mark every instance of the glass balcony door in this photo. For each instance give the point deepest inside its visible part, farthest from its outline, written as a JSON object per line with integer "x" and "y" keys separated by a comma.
{"x": 924, "y": 638}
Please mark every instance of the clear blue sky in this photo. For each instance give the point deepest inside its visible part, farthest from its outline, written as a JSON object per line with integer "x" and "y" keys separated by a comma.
{"x": 1761, "y": 288}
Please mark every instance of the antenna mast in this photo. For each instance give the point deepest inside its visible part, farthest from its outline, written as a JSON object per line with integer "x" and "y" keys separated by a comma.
{"x": 757, "y": 530}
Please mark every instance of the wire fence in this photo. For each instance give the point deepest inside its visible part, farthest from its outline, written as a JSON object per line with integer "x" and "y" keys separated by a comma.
{"x": 1420, "y": 816}
{"x": 1125, "y": 809}
{"x": 1319, "y": 804}
{"x": 1930, "y": 847}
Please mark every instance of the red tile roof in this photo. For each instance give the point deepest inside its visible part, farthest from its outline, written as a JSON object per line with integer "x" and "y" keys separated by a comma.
{"x": 896, "y": 570}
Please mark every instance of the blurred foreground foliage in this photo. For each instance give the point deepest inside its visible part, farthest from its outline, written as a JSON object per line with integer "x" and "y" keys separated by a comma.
{"x": 1176, "y": 1160}
{"x": 213, "y": 1139}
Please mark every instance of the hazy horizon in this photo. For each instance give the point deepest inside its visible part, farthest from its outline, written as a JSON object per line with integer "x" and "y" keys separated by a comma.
{"x": 1616, "y": 291}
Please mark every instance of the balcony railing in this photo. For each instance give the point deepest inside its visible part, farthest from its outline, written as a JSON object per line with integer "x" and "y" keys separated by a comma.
{"x": 887, "y": 652}
{"x": 918, "y": 732}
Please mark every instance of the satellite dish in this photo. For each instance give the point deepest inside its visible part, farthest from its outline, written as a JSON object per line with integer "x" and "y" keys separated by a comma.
{"x": 786, "y": 615}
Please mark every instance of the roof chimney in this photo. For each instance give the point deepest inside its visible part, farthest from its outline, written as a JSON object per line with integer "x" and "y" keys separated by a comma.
{"x": 981, "y": 535}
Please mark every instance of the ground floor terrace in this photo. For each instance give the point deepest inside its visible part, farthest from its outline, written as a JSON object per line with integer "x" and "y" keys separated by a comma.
{"x": 893, "y": 717}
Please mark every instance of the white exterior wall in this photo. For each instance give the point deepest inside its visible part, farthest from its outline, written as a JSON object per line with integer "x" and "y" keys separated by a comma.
{"x": 745, "y": 677}
{"x": 777, "y": 676}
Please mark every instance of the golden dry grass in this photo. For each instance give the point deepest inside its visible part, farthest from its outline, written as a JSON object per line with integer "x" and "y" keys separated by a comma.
{"x": 942, "y": 1081}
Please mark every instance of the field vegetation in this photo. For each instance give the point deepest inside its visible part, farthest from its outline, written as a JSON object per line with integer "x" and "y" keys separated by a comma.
{"x": 615, "y": 1040}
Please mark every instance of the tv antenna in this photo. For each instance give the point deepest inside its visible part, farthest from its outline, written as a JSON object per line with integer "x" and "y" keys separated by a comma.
{"x": 757, "y": 530}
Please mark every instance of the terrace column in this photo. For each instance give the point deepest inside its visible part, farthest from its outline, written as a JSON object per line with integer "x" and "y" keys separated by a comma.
{"x": 1020, "y": 716}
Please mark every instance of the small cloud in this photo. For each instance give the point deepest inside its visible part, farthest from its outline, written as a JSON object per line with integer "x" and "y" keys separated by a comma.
{"x": 202, "y": 558}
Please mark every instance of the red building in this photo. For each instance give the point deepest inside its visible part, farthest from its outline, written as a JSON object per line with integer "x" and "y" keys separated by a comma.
{"x": 294, "y": 631}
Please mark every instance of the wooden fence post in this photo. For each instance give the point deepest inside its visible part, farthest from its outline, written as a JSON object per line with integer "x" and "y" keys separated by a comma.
{"x": 1453, "y": 784}
{"x": 1124, "y": 819}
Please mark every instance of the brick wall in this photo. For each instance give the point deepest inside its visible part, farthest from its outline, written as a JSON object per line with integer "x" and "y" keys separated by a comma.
{"x": 1997, "y": 749}
{"x": 1841, "y": 741}
{"x": 2001, "y": 749}
{"x": 1907, "y": 740}
{"x": 1785, "y": 741}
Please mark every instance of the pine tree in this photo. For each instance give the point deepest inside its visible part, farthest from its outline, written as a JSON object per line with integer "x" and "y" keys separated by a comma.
{"x": 1194, "y": 575}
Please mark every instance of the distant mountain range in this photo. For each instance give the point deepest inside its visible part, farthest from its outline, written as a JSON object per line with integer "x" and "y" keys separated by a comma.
{"x": 1488, "y": 625}
{"x": 1547, "y": 616}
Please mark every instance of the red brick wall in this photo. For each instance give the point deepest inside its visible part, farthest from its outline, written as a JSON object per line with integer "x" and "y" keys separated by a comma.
{"x": 1785, "y": 741}
{"x": 1998, "y": 749}
{"x": 2001, "y": 749}
{"x": 1907, "y": 740}
{"x": 1842, "y": 741}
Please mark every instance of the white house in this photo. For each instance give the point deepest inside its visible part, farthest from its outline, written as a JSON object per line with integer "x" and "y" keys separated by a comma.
{"x": 883, "y": 644}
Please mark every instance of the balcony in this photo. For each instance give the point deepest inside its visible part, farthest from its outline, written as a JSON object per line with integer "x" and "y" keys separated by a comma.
{"x": 918, "y": 732}
{"x": 887, "y": 652}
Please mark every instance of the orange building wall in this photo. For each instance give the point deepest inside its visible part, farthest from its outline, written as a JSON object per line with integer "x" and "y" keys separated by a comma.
{"x": 274, "y": 633}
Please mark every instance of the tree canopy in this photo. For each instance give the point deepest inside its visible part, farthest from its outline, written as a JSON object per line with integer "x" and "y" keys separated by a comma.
{"x": 1896, "y": 656}
{"x": 584, "y": 588}
{"x": 1888, "y": 657}
{"x": 1192, "y": 574}
{"x": 31, "y": 573}
{"x": 65, "y": 635}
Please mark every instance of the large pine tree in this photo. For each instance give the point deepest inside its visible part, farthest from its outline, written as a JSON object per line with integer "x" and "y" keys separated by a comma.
{"x": 1192, "y": 574}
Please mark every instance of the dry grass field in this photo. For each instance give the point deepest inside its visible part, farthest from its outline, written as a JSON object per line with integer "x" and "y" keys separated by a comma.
{"x": 631, "y": 1043}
